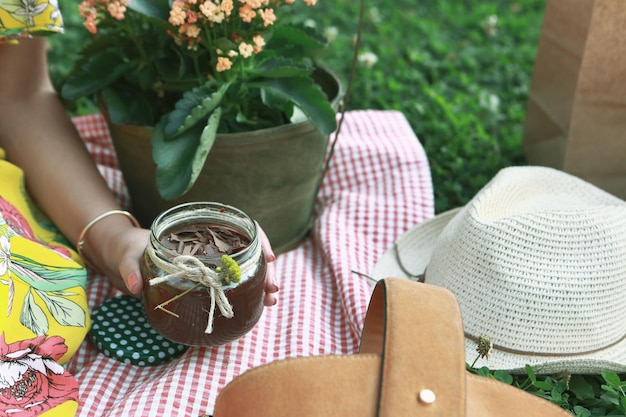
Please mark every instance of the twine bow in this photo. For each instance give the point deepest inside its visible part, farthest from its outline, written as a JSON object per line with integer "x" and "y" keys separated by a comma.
{"x": 192, "y": 269}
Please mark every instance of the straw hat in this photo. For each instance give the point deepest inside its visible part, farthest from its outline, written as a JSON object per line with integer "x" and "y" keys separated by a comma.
{"x": 537, "y": 262}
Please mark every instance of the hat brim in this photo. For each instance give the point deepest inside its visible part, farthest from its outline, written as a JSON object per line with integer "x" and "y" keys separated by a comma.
{"x": 411, "y": 253}
{"x": 409, "y": 257}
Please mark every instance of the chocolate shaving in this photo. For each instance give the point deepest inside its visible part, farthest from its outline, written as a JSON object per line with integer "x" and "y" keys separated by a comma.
{"x": 221, "y": 245}
{"x": 205, "y": 240}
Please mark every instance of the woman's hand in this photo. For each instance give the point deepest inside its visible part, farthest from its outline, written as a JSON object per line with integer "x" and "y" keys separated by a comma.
{"x": 122, "y": 263}
{"x": 76, "y": 194}
{"x": 271, "y": 288}
{"x": 131, "y": 249}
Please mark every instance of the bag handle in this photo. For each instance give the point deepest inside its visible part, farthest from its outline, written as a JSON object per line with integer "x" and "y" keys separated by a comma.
{"x": 423, "y": 366}
{"x": 405, "y": 367}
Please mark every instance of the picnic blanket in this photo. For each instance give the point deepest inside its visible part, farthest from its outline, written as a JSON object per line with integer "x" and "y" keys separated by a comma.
{"x": 377, "y": 187}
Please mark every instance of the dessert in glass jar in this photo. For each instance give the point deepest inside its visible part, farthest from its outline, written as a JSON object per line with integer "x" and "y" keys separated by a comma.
{"x": 204, "y": 273}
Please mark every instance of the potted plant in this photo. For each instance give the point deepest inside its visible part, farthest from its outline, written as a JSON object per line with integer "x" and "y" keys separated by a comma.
{"x": 191, "y": 74}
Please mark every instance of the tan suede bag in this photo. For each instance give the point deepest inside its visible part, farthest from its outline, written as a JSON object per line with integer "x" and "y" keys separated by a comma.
{"x": 411, "y": 362}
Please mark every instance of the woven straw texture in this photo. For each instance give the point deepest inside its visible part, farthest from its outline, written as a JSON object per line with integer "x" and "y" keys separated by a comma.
{"x": 537, "y": 261}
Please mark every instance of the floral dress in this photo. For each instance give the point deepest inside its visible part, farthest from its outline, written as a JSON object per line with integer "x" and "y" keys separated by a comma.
{"x": 19, "y": 18}
{"x": 43, "y": 304}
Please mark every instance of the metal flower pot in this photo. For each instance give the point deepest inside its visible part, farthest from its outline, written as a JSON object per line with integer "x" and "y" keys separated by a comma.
{"x": 271, "y": 174}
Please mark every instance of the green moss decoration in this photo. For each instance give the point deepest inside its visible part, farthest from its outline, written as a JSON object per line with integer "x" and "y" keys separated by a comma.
{"x": 229, "y": 271}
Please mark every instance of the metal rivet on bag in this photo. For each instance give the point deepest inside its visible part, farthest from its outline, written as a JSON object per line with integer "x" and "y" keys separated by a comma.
{"x": 426, "y": 396}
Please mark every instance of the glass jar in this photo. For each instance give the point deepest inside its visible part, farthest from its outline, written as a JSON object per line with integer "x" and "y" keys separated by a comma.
{"x": 183, "y": 297}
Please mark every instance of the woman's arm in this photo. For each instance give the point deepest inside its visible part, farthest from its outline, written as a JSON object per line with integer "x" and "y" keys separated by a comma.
{"x": 39, "y": 137}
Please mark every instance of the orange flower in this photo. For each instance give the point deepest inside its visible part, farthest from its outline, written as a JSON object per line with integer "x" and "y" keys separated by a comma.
{"x": 177, "y": 14}
{"x": 90, "y": 24}
{"x": 268, "y": 16}
{"x": 208, "y": 8}
{"x": 227, "y": 7}
{"x": 116, "y": 10}
{"x": 259, "y": 42}
{"x": 223, "y": 64}
{"x": 246, "y": 13}
{"x": 192, "y": 17}
{"x": 193, "y": 31}
{"x": 187, "y": 68}
{"x": 255, "y": 4}
{"x": 245, "y": 49}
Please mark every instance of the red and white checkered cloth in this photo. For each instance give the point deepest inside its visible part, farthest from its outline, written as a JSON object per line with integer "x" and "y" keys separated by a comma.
{"x": 378, "y": 186}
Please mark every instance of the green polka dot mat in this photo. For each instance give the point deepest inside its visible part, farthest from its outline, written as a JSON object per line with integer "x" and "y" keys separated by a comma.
{"x": 120, "y": 330}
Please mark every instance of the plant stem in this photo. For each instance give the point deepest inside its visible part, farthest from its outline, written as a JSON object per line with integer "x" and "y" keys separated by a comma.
{"x": 174, "y": 298}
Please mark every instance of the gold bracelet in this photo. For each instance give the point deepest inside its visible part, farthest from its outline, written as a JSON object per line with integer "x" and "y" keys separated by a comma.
{"x": 81, "y": 237}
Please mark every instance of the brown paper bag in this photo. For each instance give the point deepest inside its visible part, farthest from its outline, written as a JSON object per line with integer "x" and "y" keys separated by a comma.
{"x": 576, "y": 114}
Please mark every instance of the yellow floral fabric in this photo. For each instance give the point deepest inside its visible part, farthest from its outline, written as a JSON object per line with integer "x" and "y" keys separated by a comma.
{"x": 19, "y": 18}
{"x": 43, "y": 305}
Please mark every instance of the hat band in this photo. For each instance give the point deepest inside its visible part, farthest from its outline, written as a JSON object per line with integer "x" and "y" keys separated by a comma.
{"x": 422, "y": 278}
{"x": 529, "y": 353}
{"x": 415, "y": 277}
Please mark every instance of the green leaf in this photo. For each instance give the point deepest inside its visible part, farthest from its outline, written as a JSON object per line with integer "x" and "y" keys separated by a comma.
{"x": 581, "y": 411}
{"x": 207, "y": 139}
{"x": 65, "y": 311}
{"x": 309, "y": 97}
{"x": 158, "y": 9}
{"x": 531, "y": 373}
{"x": 273, "y": 99}
{"x": 96, "y": 73}
{"x": 610, "y": 397}
{"x": 503, "y": 376}
{"x": 46, "y": 278}
{"x": 611, "y": 378}
{"x": 180, "y": 159}
{"x": 32, "y": 316}
{"x": 542, "y": 385}
{"x": 172, "y": 67}
{"x": 279, "y": 67}
{"x": 142, "y": 77}
{"x": 123, "y": 110}
{"x": 193, "y": 107}
{"x": 225, "y": 44}
{"x": 296, "y": 35}
{"x": 556, "y": 396}
{"x": 581, "y": 387}
{"x": 9, "y": 32}
{"x": 18, "y": 9}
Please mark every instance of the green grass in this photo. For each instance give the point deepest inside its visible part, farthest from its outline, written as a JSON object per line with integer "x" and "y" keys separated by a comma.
{"x": 460, "y": 71}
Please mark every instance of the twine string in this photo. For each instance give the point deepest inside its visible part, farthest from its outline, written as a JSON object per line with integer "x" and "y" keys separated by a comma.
{"x": 190, "y": 268}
